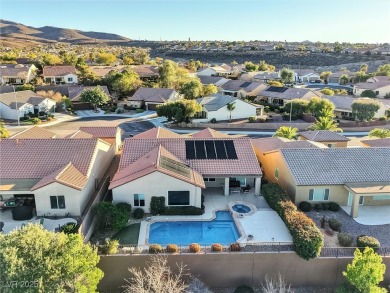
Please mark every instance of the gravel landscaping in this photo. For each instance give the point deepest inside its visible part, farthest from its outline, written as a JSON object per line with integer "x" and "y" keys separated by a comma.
{"x": 380, "y": 232}
{"x": 293, "y": 289}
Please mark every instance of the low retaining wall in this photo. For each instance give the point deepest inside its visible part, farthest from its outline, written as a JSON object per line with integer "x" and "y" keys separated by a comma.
{"x": 249, "y": 126}
{"x": 234, "y": 269}
{"x": 362, "y": 124}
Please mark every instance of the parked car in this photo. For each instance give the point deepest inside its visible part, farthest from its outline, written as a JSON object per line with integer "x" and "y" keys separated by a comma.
{"x": 317, "y": 81}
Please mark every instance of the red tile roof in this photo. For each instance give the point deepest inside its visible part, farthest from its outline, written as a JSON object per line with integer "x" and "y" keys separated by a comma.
{"x": 154, "y": 161}
{"x": 101, "y": 131}
{"x": 58, "y": 70}
{"x": 34, "y": 132}
{"x": 209, "y": 133}
{"x": 37, "y": 158}
{"x": 79, "y": 134}
{"x": 158, "y": 132}
{"x": 245, "y": 164}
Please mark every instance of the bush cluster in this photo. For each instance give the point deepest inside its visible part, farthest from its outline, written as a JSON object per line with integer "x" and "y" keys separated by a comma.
{"x": 70, "y": 228}
{"x": 187, "y": 210}
{"x": 112, "y": 216}
{"x": 139, "y": 213}
{"x": 244, "y": 289}
{"x": 155, "y": 248}
{"x": 252, "y": 119}
{"x": 305, "y": 206}
{"x": 157, "y": 205}
{"x": 364, "y": 241}
{"x": 334, "y": 224}
{"x": 334, "y": 206}
{"x": 194, "y": 247}
{"x": 172, "y": 248}
{"x": 345, "y": 239}
{"x": 235, "y": 247}
{"x": 111, "y": 246}
{"x": 216, "y": 247}
{"x": 307, "y": 238}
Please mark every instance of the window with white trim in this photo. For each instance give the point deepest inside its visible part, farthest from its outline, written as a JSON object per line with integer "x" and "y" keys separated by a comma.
{"x": 209, "y": 179}
{"x": 57, "y": 202}
{"x": 70, "y": 79}
{"x": 139, "y": 200}
{"x": 319, "y": 194}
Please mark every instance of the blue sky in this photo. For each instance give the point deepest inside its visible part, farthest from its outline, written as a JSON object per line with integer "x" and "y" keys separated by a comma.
{"x": 291, "y": 20}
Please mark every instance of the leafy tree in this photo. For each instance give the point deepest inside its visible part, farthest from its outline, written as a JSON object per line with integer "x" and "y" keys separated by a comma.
{"x": 179, "y": 111}
{"x": 363, "y": 68}
{"x": 123, "y": 82}
{"x": 250, "y": 66}
{"x": 286, "y": 132}
{"x": 275, "y": 83}
{"x": 325, "y": 123}
{"x": 297, "y": 107}
{"x": 230, "y": 107}
{"x": 320, "y": 107}
{"x": 25, "y": 87}
{"x": 96, "y": 97}
{"x": 361, "y": 76}
{"x": 167, "y": 72}
{"x": 54, "y": 262}
{"x": 68, "y": 58}
{"x": 264, "y": 66}
{"x": 287, "y": 75}
{"x": 342, "y": 92}
{"x": 344, "y": 79}
{"x": 383, "y": 70}
{"x": 364, "y": 109}
{"x": 112, "y": 216}
{"x": 368, "y": 94}
{"x": 51, "y": 59}
{"x": 366, "y": 271}
{"x": 192, "y": 89}
{"x": 86, "y": 76}
{"x": 327, "y": 91}
{"x": 325, "y": 75}
{"x": 209, "y": 90}
{"x": 337, "y": 47}
{"x": 127, "y": 60}
{"x": 157, "y": 276}
{"x": 3, "y": 131}
{"x": 105, "y": 58}
{"x": 381, "y": 133}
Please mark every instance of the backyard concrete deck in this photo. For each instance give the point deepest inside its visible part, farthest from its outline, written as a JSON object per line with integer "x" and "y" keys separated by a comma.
{"x": 265, "y": 225}
{"x": 371, "y": 215}
{"x": 49, "y": 224}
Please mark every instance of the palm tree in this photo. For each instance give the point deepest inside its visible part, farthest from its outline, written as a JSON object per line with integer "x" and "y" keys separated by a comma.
{"x": 286, "y": 132}
{"x": 325, "y": 123}
{"x": 231, "y": 107}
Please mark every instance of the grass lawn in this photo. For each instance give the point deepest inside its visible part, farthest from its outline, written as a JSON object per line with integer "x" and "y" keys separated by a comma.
{"x": 128, "y": 235}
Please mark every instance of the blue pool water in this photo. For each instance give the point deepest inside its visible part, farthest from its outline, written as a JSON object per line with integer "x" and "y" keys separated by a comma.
{"x": 240, "y": 208}
{"x": 220, "y": 230}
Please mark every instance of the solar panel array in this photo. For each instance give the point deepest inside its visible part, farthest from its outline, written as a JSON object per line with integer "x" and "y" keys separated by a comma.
{"x": 174, "y": 166}
{"x": 245, "y": 84}
{"x": 276, "y": 89}
{"x": 210, "y": 150}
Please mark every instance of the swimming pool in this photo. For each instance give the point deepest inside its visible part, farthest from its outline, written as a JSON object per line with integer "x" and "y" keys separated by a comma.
{"x": 220, "y": 230}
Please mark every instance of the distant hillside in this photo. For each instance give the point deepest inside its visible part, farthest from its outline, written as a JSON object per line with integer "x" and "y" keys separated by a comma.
{"x": 48, "y": 34}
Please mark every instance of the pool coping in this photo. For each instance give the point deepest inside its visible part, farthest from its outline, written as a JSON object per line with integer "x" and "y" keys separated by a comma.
{"x": 236, "y": 217}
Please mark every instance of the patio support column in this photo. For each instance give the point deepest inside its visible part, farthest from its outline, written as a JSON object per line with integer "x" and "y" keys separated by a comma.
{"x": 226, "y": 187}
{"x": 257, "y": 185}
{"x": 355, "y": 205}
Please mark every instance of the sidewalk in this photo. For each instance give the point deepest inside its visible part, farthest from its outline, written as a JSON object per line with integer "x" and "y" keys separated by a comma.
{"x": 91, "y": 113}
{"x": 60, "y": 117}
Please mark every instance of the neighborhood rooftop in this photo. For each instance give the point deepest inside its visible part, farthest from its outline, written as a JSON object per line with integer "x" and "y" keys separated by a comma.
{"x": 160, "y": 95}
{"x": 270, "y": 144}
{"x": 19, "y": 70}
{"x": 101, "y": 131}
{"x": 209, "y": 133}
{"x": 75, "y": 91}
{"x": 157, "y": 132}
{"x": 58, "y": 70}
{"x": 216, "y": 101}
{"x": 244, "y": 164}
{"x": 377, "y": 143}
{"x": 338, "y": 165}
{"x": 22, "y": 97}
{"x": 34, "y": 132}
{"x": 323, "y": 135}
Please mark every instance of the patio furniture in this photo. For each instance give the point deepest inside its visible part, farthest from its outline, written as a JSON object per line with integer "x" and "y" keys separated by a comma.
{"x": 247, "y": 189}
{"x": 235, "y": 190}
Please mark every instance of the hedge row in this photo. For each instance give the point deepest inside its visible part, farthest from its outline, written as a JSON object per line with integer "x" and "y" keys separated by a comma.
{"x": 308, "y": 240}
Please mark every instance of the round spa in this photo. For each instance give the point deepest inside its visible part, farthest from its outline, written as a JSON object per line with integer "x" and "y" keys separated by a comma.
{"x": 241, "y": 208}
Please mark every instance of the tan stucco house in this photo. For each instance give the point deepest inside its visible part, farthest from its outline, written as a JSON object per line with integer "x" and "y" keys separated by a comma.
{"x": 348, "y": 176}
{"x": 60, "y": 174}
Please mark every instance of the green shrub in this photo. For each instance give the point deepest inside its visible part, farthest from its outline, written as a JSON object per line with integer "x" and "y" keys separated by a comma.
{"x": 345, "y": 239}
{"x": 183, "y": 211}
{"x": 35, "y": 120}
{"x": 157, "y": 205}
{"x": 111, "y": 246}
{"x": 124, "y": 206}
{"x": 252, "y": 119}
{"x": 172, "y": 248}
{"x": 244, "y": 289}
{"x": 305, "y": 206}
{"x": 194, "y": 247}
{"x": 25, "y": 87}
{"x": 325, "y": 206}
{"x": 364, "y": 241}
{"x": 111, "y": 216}
{"x": 70, "y": 228}
{"x": 155, "y": 248}
{"x": 307, "y": 238}
{"x": 216, "y": 247}
{"x": 139, "y": 111}
{"x": 335, "y": 224}
{"x": 235, "y": 247}
{"x": 317, "y": 207}
{"x": 139, "y": 213}
{"x": 213, "y": 120}
{"x": 334, "y": 206}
